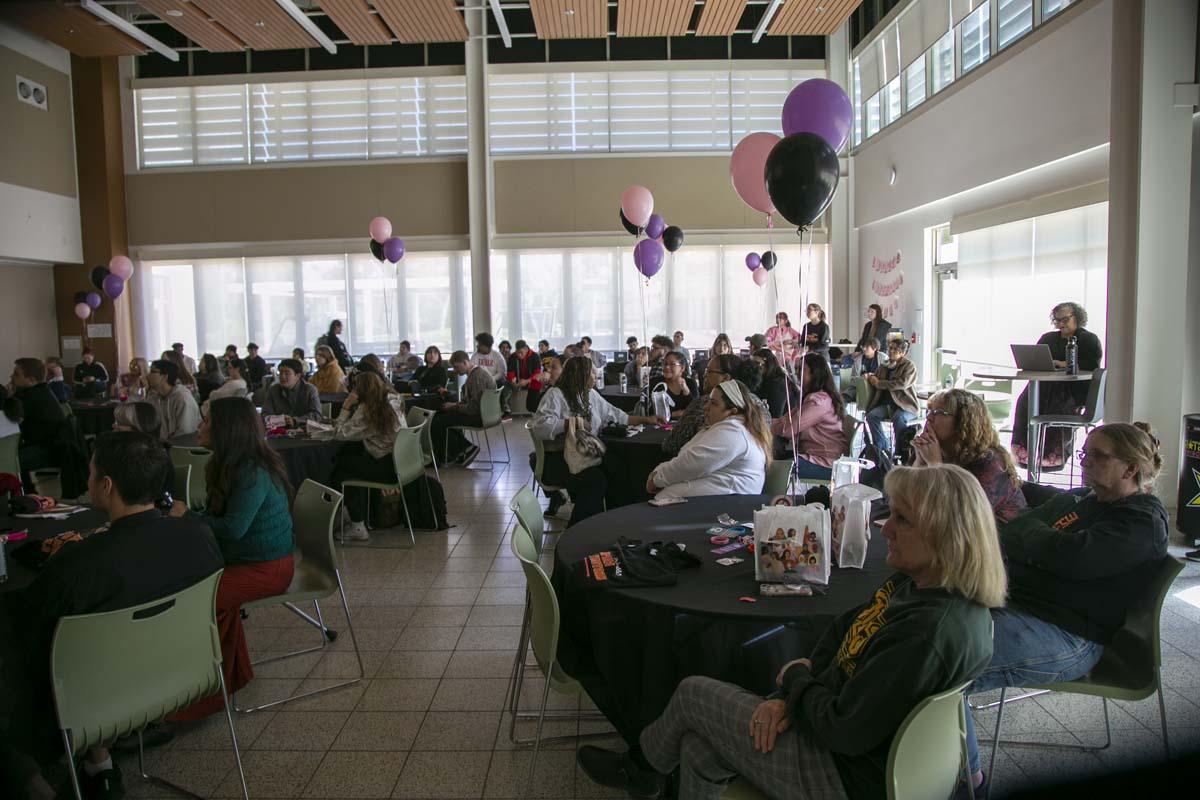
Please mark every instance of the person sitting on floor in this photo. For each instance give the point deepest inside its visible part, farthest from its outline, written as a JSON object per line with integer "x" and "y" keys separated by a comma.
{"x": 1075, "y": 565}
{"x": 141, "y": 557}
{"x": 292, "y": 396}
{"x": 329, "y": 377}
{"x": 575, "y": 395}
{"x": 91, "y": 378}
{"x": 448, "y": 442}
{"x": 816, "y": 424}
{"x": 370, "y": 417}
{"x": 523, "y": 371}
{"x": 41, "y": 417}
{"x": 249, "y": 512}
{"x": 54, "y": 379}
{"x": 827, "y": 731}
{"x": 176, "y": 406}
{"x": 892, "y": 396}
{"x": 730, "y": 456}
{"x": 959, "y": 430}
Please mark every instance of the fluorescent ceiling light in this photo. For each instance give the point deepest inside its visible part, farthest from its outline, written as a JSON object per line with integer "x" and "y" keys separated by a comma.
{"x": 766, "y": 20}
{"x": 295, "y": 13}
{"x": 129, "y": 30}
{"x": 501, "y": 23}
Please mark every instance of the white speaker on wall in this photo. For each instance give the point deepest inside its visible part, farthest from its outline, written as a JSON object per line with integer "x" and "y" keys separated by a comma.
{"x": 33, "y": 93}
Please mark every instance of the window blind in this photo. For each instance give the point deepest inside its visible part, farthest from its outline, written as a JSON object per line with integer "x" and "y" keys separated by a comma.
{"x": 165, "y": 127}
{"x": 219, "y": 119}
{"x": 1014, "y": 19}
{"x": 922, "y": 24}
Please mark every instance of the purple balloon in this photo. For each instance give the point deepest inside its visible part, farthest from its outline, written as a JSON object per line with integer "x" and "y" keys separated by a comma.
{"x": 393, "y": 249}
{"x": 819, "y": 106}
{"x": 753, "y": 261}
{"x": 113, "y": 286}
{"x": 655, "y": 227}
{"x": 94, "y": 300}
{"x": 648, "y": 257}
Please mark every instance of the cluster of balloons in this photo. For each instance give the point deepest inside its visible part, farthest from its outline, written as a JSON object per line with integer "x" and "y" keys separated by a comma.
{"x": 759, "y": 266}
{"x": 110, "y": 280}
{"x": 796, "y": 176}
{"x": 384, "y": 246}
{"x": 637, "y": 217}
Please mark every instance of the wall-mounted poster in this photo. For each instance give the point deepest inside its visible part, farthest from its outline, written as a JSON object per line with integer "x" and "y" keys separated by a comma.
{"x": 886, "y": 284}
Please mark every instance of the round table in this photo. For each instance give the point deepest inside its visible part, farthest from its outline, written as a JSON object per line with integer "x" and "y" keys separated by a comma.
{"x": 21, "y": 575}
{"x": 302, "y": 457}
{"x": 95, "y": 416}
{"x": 628, "y": 462}
{"x": 630, "y": 647}
{"x": 624, "y": 400}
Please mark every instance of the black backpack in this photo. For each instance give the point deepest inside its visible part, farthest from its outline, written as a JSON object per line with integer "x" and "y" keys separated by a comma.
{"x": 388, "y": 512}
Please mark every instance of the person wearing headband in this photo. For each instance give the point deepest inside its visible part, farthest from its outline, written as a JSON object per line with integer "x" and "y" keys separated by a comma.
{"x": 729, "y": 456}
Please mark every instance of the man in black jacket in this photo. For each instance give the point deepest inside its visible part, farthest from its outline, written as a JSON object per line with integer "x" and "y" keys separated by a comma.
{"x": 141, "y": 557}
{"x": 42, "y": 417}
{"x": 91, "y": 378}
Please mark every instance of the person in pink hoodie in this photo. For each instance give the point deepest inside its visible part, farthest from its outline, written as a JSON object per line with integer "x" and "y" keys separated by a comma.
{"x": 783, "y": 338}
{"x": 817, "y": 423}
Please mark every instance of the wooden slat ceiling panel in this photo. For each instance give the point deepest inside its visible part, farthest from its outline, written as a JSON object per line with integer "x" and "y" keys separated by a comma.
{"x": 720, "y": 17}
{"x": 278, "y": 31}
{"x": 71, "y": 28}
{"x": 195, "y": 25}
{"x": 420, "y": 21}
{"x": 811, "y": 17}
{"x": 355, "y": 19}
{"x": 654, "y": 17}
{"x": 590, "y": 20}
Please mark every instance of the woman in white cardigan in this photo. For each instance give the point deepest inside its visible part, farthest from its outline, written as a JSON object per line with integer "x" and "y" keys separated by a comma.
{"x": 729, "y": 456}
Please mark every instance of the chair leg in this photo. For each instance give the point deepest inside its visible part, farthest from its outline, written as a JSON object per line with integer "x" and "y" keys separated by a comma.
{"x": 407, "y": 519}
{"x": 327, "y": 636}
{"x": 507, "y": 452}
{"x": 488, "y": 441}
{"x": 66, "y": 737}
{"x": 237, "y": 755}
{"x": 429, "y": 494}
{"x": 995, "y": 745}
{"x": 1162, "y": 715}
{"x": 537, "y": 736}
{"x": 1026, "y": 696}
{"x": 1077, "y": 748}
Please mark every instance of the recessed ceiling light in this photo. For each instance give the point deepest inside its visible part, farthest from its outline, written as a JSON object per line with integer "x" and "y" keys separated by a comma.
{"x": 174, "y": 12}
{"x": 570, "y": 12}
{"x": 260, "y": 24}
{"x": 820, "y": 9}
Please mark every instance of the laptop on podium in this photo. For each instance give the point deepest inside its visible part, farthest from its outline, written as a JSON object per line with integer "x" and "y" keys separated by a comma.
{"x": 1034, "y": 358}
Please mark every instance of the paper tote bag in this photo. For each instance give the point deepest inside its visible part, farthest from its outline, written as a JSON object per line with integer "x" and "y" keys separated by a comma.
{"x": 850, "y": 512}
{"x": 791, "y": 544}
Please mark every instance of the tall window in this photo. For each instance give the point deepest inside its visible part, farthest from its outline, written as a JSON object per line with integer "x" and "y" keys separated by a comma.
{"x": 858, "y": 126}
{"x": 914, "y": 84}
{"x": 1014, "y": 19}
{"x": 892, "y": 94}
{"x": 873, "y": 120}
{"x": 1052, "y": 7}
{"x": 976, "y": 38}
{"x": 943, "y": 62}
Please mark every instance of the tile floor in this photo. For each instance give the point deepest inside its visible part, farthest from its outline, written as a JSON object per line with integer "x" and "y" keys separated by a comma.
{"x": 438, "y": 626}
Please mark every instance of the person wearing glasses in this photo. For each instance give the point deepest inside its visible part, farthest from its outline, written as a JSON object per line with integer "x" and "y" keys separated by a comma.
{"x": 1075, "y": 565}
{"x": 959, "y": 430}
{"x": 719, "y": 369}
{"x": 1058, "y": 397}
{"x": 892, "y": 396}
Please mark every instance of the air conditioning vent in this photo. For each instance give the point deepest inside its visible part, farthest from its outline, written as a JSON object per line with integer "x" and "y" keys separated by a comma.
{"x": 32, "y": 93}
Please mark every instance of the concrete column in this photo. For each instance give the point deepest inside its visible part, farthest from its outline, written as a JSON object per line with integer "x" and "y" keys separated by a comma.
{"x": 1150, "y": 187}
{"x": 479, "y": 168}
{"x": 843, "y": 305}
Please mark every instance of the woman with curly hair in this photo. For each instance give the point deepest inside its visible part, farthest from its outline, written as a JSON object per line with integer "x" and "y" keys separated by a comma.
{"x": 1058, "y": 397}
{"x": 959, "y": 430}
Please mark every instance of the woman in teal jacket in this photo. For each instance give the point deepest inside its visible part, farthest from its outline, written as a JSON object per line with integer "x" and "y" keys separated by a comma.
{"x": 249, "y": 511}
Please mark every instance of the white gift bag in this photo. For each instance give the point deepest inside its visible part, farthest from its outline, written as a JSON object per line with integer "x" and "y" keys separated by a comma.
{"x": 661, "y": 402}
{"x": 850, "y": 512}
{"x": 791, "y": 544}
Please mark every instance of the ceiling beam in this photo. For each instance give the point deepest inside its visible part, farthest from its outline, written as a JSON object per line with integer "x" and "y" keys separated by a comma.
{"x": 304, "y": 22}
{"x": 129, "y": 30}
{"x": 767, "y": 16}
{"x": 501, "y": 23}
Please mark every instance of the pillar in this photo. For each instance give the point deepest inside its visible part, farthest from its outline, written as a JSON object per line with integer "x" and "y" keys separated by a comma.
{"x": 479, "y": 169}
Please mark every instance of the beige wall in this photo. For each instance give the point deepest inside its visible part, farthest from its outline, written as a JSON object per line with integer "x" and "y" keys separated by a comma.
{"x": 39, "y": 152}
{"x": 582, "y": 195}
{"x": 274, "y": 204}
{"x": 27, "y": 308}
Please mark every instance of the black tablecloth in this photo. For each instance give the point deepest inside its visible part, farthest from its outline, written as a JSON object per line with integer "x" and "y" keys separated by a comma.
{"x": 628, "y": 462}
{"x": 631, "y": 647}
{"x": 94, "y": 417}
{"x": 625, "y": 400}
{"x": 303, "y": 458}
{"x": 20, "y": 575}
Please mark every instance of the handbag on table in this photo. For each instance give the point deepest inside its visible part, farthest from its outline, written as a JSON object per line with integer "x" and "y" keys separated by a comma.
{"x": 582, "y": 448}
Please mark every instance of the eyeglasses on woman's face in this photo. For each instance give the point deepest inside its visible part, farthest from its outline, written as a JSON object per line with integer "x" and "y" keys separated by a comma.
{"x": 1063, "y": 320}
{"x": 1093, "y": 455}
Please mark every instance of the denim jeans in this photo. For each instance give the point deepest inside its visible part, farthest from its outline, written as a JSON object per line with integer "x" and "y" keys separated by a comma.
{"x": 880, "y": 414}
{"x": 1029, "y": 652}
{"x": 807, "y": 469}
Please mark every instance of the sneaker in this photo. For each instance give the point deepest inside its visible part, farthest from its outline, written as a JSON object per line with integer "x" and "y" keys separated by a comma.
{"x": 564, "y": 513}
{"x": 556, "y": 502}
{"x": 963, "y": 793}
{"x": 620, "y": 771}
{"x": 104, "y": 785}
{"x": 468, "y": 455}
{"x": 357, "y": 532}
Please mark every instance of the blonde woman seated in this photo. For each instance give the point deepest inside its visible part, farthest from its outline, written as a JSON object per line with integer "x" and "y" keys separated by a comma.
{"x": 959, "y": 430}
{"x": 329, "y": 378}
{"x": 367, "y": 424}
{"x": 729, "y": 455}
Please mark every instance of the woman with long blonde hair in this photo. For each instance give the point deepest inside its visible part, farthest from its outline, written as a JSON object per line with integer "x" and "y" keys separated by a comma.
{"x": 959, "y": 430}
{"x": 133, "y": 383}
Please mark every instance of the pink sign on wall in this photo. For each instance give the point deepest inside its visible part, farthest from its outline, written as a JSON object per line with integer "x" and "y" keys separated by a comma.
{"x": 886, "y": 284}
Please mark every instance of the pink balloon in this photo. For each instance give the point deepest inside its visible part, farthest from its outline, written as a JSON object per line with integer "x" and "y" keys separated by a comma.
{"x": 121, "y": 266}
{"x": 83, "y": 310}
{"x": 381, "y": 229}
{"x": 746, "y": 167}
{"x": 637, "y": 204}
{"x": 760, "y": 276}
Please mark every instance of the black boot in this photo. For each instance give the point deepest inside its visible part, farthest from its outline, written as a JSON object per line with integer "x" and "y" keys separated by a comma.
{"x": 620, "y": 771}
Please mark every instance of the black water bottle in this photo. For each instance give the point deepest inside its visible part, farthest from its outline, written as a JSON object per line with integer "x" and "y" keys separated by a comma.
{"x": 1072, "y": 356}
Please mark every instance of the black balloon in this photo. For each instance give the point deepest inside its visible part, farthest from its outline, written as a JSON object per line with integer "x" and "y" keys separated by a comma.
{"x": 80, "y": 297}
{"x": 627, "y": 225}
{"x": 376, "y": 249}
{"x": 98, "y": 276}
{"x": 801, "y": 175}
{"x": 672, "y": 238}
{"x": 769, "y": 260}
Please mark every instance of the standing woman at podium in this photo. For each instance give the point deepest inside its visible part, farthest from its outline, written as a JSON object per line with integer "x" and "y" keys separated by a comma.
{"x": 1058, "y": 397}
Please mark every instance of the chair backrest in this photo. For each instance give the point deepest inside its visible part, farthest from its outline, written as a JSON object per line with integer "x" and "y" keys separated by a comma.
{"x": 183, "y": 479}
{"x": 313, "y": 515}
{"x": 928, "y": 752}
{"x": 529, "y": 515}
{"x": 326, "y": 410}
{"x": 951, "y": 372}
{"x": 539, "y": 452}
{"x": 197, "y": 457}
{"x": 862, "y": 395}
{"x": 489, "y": 408}
{"x": 407, "y": 455}
{"x": 849, "y": 430}
{"x": 777, "y": 476}
{"x": 1093, "y": 410}
{"x": 1136, "y": 644}
{"x": 116, "y": 671}
{"x": 543, "y": 604}
{"x": 9, "y": 460}
{"x": 416, "y": 415}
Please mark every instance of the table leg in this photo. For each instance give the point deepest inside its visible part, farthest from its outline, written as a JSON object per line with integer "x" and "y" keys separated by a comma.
{"x": 1033, "y": 454}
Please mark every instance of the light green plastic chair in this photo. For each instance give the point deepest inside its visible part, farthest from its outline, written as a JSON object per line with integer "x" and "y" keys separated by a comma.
{"x": 490, "y": 417}
{"x": 316, "y": 578}
{"x": 409, "y": 461}
{"x": 115, "y": 672}
{"x": 778, "y": 475}
{"x": 539, "y": 462}
{"x": 197, "y": 458}
{"x": 183, "y": 478}
{"x": 416, "y": 415}
{"x": 326, "y": 410}
{"x": 862, "y": 394}
{"x": 927, "y": 758}
{"x": 9, "y": 448}
{"x": 999, "y": 409}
